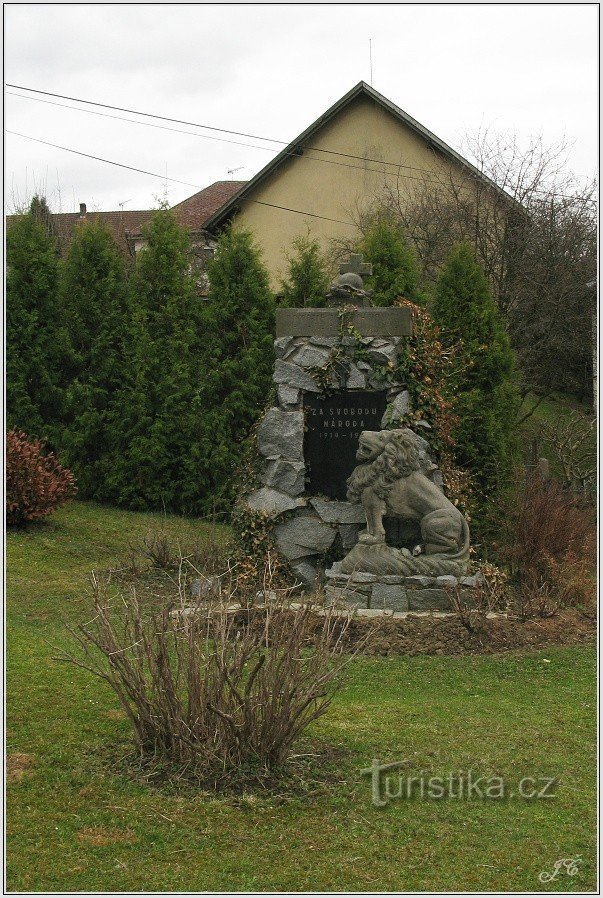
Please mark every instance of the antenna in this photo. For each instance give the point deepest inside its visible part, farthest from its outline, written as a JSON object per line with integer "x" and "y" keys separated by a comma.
{"x": 231, "y": 171}
{"x": 371, "y": 58}
{"x": 123, "y": 203}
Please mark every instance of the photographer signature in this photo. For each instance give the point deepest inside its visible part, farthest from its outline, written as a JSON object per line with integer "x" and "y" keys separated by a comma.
{"x": 569, "y": 865}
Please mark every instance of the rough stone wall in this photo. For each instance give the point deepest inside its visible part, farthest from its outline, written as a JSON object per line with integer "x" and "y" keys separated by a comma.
{"x": 307, "y": 528}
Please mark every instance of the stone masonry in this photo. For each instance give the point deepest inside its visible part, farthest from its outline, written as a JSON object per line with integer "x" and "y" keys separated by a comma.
{"x": 307, "y": 526}
{"x": 393, "y": 593}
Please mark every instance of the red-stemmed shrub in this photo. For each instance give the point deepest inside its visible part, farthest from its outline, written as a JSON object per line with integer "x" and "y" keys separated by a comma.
{"x": 36, "y": 483}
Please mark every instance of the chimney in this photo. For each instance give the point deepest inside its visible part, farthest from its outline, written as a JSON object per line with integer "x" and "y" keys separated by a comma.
{"x": 82, "y": 210}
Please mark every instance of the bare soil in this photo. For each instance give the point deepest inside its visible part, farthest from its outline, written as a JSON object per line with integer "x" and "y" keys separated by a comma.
{"x": 450, "y": 636}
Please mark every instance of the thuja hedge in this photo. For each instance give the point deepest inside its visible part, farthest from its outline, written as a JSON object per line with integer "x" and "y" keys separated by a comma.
{"x": 146, "y": 390}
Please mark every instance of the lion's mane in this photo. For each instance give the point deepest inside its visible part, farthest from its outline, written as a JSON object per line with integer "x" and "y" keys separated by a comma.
{"x": 398, "y": 459}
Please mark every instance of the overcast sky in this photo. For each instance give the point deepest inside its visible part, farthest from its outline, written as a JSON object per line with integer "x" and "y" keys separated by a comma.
{"x": 270, "y": 70}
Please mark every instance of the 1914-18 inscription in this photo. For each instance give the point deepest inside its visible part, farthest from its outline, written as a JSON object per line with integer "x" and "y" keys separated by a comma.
{"x": 333, "y": 426}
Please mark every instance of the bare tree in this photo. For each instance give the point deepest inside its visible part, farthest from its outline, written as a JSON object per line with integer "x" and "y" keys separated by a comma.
{"x": 533, "y": 228}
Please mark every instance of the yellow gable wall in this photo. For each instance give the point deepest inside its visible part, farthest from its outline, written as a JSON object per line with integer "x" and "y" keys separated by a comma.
{"x": 336, "y": 191}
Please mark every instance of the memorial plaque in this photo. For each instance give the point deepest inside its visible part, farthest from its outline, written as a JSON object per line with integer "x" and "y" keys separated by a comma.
{"x": 333, "y": 427}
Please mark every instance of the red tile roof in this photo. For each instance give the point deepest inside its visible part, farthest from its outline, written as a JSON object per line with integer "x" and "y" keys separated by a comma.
{"x": 194, "y": 211}
{"x": 191, "y": 213}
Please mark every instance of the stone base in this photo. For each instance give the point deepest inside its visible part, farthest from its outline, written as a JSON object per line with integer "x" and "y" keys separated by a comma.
{"x": 381, "y": 559}
{"x": 397, "y": 593}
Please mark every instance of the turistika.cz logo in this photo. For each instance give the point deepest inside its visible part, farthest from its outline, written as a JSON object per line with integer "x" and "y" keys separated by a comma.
{"x": 389, "y": 784}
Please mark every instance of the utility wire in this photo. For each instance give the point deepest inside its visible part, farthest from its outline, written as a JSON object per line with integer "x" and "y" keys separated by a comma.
{"x": 163, "y": 177}
{"x": 381, "y": 162}
{"x": 165, "y": 118}
{"x": 226, "y": 140}
{"x": 101, "y": 159}
{"x": 121, "y": 118}
{"x": 292, "y": 154}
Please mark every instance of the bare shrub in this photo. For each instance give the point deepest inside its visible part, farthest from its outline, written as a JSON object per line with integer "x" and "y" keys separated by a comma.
{"x": 549, "y": 546}
{"x": 490, "y": 595}
{"x": 571, "y": 441}
{"x": 168, "y": 553}
{"x": 157, "y": 548}
{"x": 213, "y": 686}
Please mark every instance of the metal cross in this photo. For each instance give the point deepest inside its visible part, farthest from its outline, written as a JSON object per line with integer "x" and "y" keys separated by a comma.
{"x": 355, "y": 265}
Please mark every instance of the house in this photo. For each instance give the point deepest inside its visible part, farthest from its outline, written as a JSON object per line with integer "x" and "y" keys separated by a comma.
{"x": 361, "y": 148}
{"x": 359, "y": 151}
{"x": 127, "y": 225}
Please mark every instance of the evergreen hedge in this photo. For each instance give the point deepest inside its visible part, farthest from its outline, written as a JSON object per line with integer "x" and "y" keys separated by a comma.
{"x": 486, "y": 394}
{"x": 94, "y": 300}
{"x": 308, "y": 278}
{"x": 35, "y": 337}
{"x": 395, "y": 269}
{"x": 238, "y": 355}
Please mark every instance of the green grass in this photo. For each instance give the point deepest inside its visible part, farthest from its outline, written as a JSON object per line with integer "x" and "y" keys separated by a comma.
{"x": 75, "y": 823}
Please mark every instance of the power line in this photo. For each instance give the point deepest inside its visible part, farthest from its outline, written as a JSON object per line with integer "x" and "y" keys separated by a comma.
{"x": 121, "y": 118}
{"x": 311, "y": 214}
{"x": 292, "y": 154}
{"x": 165, "y": 118}
{"x": 363, "y": 159}
{"x": 163, "y": 177}
{"x": 101, "y": 159}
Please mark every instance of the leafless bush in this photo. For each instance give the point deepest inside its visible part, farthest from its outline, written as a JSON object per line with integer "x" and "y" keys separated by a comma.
{"x": 549, "y": 546}
{"x": 490, "y": 595}
{"x": 157, "y": 547}
{"x": 167, "y": 553}
{"x": 571, "y": 440}
{"x": 215, "y": 686}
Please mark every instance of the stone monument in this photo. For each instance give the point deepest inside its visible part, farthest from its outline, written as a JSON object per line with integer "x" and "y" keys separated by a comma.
{"x": 338, "y": 396}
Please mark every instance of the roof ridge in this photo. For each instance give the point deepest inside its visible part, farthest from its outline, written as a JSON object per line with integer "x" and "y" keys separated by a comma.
{"x": 357, "y": 90}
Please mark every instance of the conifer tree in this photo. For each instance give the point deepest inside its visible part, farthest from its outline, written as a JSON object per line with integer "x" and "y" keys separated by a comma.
{"x": 486, "y": 394}
{"x": 308, "y": 277}
{"x": 94, "y": 299}
{"x": 159, "y": 410}
{"x": 395, "y": 270}
{"x": 238, "y": 354}
{"x": 34, "y": 334}
{"x": 42, "y": 214}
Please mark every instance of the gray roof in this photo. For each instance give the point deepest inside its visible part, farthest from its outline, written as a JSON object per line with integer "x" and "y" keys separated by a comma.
{"x": 295, "y": 148}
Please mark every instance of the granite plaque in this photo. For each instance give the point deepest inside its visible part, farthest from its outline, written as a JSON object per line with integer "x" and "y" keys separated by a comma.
{"x": 333, "y": 426}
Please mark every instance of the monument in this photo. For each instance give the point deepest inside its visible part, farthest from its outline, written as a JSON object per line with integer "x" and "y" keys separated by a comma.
{"x": 337, "y": 458}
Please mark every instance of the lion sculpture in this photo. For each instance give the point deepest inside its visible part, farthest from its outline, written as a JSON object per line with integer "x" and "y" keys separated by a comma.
{"x": 390, "y": 481}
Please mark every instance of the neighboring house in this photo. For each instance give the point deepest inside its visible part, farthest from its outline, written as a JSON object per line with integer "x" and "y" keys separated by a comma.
{"x": 127, "y": 226}
{"x": 359, "y": 149}
{"x": 192, "y": 213}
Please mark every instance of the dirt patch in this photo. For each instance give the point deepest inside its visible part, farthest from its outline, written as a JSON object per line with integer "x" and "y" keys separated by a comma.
{"x": 18, "y": 764}
{"x": 101, "y": 835}
{"x": 450, "y": 636}
{"x": 115, "y": 714}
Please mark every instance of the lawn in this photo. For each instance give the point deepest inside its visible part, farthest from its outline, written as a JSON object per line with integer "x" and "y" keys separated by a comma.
{"x": 76, "y": 823}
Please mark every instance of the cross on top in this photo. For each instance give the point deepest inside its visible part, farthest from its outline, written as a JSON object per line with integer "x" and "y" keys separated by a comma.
{"x": 355, "y": 265}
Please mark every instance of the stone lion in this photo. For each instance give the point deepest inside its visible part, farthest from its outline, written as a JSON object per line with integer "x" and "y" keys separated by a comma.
{"x": 389, "y": 481}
